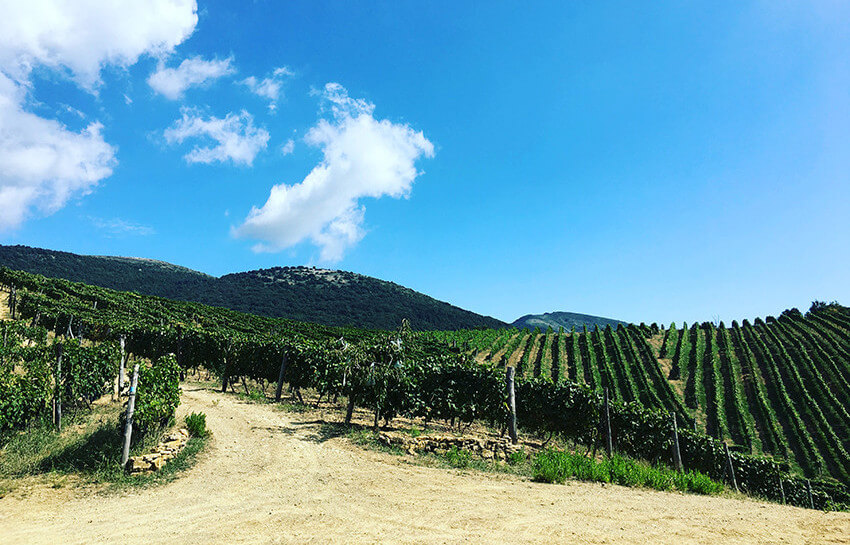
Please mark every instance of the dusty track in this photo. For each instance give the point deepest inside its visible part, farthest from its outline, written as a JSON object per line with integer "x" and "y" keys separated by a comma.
{"x": 270, "y": 477}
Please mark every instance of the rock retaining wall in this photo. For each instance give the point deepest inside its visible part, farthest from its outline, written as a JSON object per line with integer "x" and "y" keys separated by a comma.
{"x": 488, "y": 449}
{"x": 166, "y": 450}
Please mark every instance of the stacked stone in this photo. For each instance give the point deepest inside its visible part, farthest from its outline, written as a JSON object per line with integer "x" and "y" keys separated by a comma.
{"x": 488, "y": 449}
{"x": 167, "y": 449}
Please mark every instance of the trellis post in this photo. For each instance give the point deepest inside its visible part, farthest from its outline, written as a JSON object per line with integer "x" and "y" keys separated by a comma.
{"x": 128, "y": 426}
{"x": 511, "y": 405}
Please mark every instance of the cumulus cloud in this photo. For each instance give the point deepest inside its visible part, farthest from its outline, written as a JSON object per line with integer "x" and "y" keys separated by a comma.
{"x": 43, "y": 164}
{"x": 362, "y": 157}
{"x": 288, "y": 147}
{"x": 83, "y": 35}
{"x": 173, "y": 82}
{"x": 235, "y": 136}
{"x": 269, "y": 87}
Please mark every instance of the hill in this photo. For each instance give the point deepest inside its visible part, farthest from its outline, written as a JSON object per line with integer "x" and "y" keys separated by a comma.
{"x": 329, "y": 297}
{"x": 567, "y": 320}
{"x": 778, "y": 386}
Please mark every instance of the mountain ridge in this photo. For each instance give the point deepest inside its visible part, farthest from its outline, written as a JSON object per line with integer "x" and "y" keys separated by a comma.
{"x": 325, "y": 296}
{"x": 567, "y": 320}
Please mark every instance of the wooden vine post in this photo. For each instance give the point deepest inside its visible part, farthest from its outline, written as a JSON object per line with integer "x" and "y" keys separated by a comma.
{"x": 609, "y": 443}
{"x": 511, "y": 404}
{"x": 677, "y": 454}
{"x": 730, "y": 469}
{"x": 121, "y": 365}
{"x": 781, "y": 487}
{"x": 180, "y": 353}
{"x": 279, "y": 388}
{"x": 57, "y": 395}
{"x": 809, "y": 491}
{"x": 224, "y": 375}
{"x": 13, "y": 300}
{"x": 128, "y": 426}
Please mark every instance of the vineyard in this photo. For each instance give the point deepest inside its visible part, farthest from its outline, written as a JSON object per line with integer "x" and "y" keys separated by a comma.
{"x": 776, "y": 387}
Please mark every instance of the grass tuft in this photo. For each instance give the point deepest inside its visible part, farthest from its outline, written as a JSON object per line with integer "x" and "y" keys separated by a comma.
{"x": 555, "y": 466}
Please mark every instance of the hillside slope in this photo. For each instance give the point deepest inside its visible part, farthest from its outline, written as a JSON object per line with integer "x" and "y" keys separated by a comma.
{"x": 322, "y": 296}
{"x": 778, "y": 386}
{"x": 567, "y": 320}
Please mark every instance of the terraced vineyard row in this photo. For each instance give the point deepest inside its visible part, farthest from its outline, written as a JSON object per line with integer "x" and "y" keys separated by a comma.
{"x": 777, "y": 386}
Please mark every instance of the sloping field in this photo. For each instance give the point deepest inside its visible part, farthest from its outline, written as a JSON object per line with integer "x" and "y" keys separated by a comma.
{"x": 272, "y": 477}
{"x": 778, "y": 386}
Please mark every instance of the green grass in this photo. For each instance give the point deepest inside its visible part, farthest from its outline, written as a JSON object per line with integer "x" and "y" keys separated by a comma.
{"x": 555, "y": 466}
{"x": 89, "y": 451}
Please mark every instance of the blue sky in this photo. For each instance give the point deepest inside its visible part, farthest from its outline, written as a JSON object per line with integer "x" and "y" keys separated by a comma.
{"x": 679, "y": 161}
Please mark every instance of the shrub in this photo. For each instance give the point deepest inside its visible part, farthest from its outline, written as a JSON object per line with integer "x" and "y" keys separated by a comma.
{"x": 458, "y": 457}
{"x": 196, "y": 423}
{"x": 517, "y": 457}
{"x": 157, "y": 394}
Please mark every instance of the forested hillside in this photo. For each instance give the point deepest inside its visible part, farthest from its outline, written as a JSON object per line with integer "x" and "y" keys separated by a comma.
{"x": 566, "y": 320}
{"x": 328, "y": 297}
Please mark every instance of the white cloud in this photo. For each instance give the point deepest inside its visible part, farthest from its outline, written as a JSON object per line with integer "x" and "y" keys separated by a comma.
{"x": 362, "y": 157}
{"x": 119, "y": 227}
{"x": 43, "y": 164}
{"x": 83, "y": 35}
{"x": 269, "y": 87}
{"x": 288, "y": 147}
{"x": 236, "y": 137}
{"x": 173, "y": 82}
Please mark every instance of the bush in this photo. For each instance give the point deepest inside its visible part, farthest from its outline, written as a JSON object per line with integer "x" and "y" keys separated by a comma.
{"x": 458, "y": 457}
{"x": 196, "y": 423}
{"x": 157, "y": 394}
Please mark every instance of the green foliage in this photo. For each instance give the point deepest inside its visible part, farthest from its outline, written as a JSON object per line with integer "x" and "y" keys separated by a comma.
{"x": 30, "y": 375}
{"x": 157, "y": 395}
{"x": 419, "y": 375}
{"x": 517, "y": 457}
{"x": 196, "y": 424}
{"x": 336, "y": 298}
{"x": 87, "y": 372}
{"x": 459, "y": 458}
{"x": 555, "y": 466}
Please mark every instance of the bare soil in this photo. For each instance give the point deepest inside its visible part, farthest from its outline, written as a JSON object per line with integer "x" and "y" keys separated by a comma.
{"x": 270, "y": 476}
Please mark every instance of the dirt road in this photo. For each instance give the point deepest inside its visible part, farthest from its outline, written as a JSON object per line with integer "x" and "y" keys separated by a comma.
{"x": 270, "y": 477}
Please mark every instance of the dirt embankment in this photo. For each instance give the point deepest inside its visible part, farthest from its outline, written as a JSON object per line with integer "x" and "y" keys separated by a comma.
{"x": 273, "y": 477}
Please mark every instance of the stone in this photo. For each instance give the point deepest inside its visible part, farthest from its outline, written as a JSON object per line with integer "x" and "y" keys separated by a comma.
{"x": 136, "y": 464}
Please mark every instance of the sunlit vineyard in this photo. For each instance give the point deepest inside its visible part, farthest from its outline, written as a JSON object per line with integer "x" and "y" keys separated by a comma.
{"x": 777, "y": 386}
{"x": 774, "y": 386}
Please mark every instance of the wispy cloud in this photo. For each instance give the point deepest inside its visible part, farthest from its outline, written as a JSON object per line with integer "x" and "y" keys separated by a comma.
{"x": 288, "y": 147}
{"x": 363, "y": 157}
{"x": 194, "y": 71}
{"x": 119, "y": 227}
{"x": 236, "y": 138}
{"x": 268, "y": 87}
